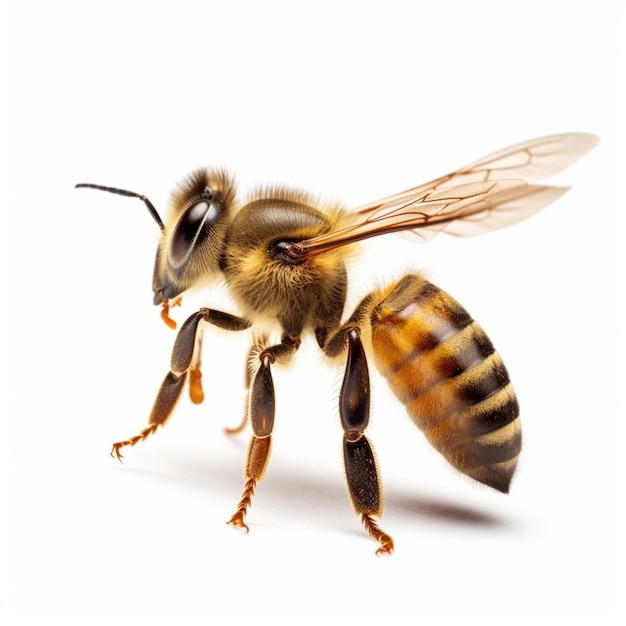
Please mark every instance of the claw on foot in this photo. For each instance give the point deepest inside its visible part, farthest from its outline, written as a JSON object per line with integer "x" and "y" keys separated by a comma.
{"x": 385, "y": 548}
{"x": 385, "y": 541}
{"x": 144, "y": 434}
{"x": 237, "y": 521}
{"x": 242, "y": 507}
{"x": 115, "y": 451}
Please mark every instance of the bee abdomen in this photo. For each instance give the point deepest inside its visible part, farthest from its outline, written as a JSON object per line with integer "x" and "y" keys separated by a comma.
{"x": 444, "y": 369}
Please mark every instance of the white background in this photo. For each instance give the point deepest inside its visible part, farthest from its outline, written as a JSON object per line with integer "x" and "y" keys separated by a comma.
{"x": 353, "y": 101}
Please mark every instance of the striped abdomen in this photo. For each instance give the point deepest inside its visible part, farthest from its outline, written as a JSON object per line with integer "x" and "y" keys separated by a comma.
{"x": 445, "y": 370}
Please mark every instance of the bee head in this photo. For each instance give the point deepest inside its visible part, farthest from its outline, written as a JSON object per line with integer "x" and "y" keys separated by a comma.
{"x": 194, "y": 234}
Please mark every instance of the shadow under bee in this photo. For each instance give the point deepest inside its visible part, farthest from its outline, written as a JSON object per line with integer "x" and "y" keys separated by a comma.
{"x": 409, "y": 505}
{"x": 304, "y": 494}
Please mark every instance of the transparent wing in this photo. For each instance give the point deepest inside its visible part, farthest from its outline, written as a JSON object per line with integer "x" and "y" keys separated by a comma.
{"x": 529, "y": 161}
{"x": 486, "y": 195}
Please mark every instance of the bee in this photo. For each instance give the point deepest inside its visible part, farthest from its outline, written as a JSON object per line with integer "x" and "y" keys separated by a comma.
{"x": 282, "y": 255}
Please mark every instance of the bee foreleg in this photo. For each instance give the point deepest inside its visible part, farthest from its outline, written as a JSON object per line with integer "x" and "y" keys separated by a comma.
{"x": 262, "y": 406}
{"x": 185, "y": 359}
{"x": 360, "y": 464}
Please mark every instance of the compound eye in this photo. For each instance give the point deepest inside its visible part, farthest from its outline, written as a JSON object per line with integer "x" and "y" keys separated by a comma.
{"x": 198, "y": 217}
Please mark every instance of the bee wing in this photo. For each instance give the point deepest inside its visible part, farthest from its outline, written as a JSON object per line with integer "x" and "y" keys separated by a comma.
{"x": 530, "y": 161}
{"x": 486, "y": 195}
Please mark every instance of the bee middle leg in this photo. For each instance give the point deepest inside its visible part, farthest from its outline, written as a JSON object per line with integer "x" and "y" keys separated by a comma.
{"x": 251, "y": 361}
{"x": 185, "y": 363}
{"x": 261, "y": 409}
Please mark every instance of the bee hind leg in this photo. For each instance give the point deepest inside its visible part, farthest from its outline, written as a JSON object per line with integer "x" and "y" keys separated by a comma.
{"x": 359, "y": 456}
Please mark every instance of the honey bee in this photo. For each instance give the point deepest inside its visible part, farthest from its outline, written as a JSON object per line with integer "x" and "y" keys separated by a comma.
{"x": 282, "y": 255}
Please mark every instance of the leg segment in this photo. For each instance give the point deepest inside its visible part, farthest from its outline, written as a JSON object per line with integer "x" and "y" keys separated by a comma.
{"x": 185, "y": 359}
{"x": 359, "y": 456}
{"x": 196, "y": 393}
{"x": 261, "y": 411}
{"x": 251, "y": 361}
{"x": 166, "y": 305}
